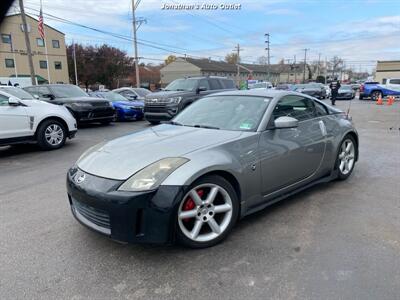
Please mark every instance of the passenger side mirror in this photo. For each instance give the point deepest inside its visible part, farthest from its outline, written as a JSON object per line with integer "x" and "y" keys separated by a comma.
{"x": 36, "y": 97}
{"x": 201, "y": 89}
{"x": 286, "y": 122}
{"x": 14, "y": 101}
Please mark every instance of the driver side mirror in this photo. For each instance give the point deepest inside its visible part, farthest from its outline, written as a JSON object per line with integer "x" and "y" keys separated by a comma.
{"x": 14, "y": 101}
{"x": 286, "y": 122}
{"x": 36, "y": 97}
{"x": 49, "y": 96}
{"x": 201, "y": 89}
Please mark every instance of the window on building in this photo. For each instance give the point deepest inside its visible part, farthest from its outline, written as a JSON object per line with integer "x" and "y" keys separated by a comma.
{"x": 57, "y": 65}
{"x": 43, "y": 64}
{"x": 6, "y": 38}
{"x": 40, "y": 42}
{"x": 9, "y": 63}
{"x": 56, "y": 43}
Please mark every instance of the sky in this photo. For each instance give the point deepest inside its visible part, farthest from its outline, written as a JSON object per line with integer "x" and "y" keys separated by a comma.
{"x": 360, "y": 32}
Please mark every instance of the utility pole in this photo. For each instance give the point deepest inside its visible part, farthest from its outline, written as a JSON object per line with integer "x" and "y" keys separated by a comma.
{"x": 237, "y": 49}
{"x": 288, "y": 69}
{"x": 135, "y": 42}
{"x": 27, "y": 42}
{"x": 305, "y": 64}
{"x": 268, "y": 55}
{"x": 295, "y": 70}
{"x": 319, "y": 61}
{"x": 74, "y": 56}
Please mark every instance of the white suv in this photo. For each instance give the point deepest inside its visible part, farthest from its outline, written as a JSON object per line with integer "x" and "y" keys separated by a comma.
{"x": 25, "y": 119}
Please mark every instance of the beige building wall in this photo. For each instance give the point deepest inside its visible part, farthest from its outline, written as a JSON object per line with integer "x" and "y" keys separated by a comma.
{"x": 12, "y": 25}
{"x": 178, "y": 69}
{"x": 387, "y": 69}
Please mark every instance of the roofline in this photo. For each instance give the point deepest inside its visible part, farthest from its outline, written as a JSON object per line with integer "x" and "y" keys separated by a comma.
{"x": 18, "y": 14}
{"x": 388, "y": 61}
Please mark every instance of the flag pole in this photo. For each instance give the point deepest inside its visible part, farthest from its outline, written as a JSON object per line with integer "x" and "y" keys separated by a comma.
{"x": 15, "y": 60}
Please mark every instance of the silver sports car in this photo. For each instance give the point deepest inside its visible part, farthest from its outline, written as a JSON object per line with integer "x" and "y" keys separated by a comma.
{"x": 225, "y": 156}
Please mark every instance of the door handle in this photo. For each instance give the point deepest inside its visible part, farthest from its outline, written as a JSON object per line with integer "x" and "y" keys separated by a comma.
{"x": 322, "y": 127}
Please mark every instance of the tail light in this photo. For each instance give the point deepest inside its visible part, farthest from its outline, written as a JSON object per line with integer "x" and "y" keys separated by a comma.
{"x": 361, "y": 88}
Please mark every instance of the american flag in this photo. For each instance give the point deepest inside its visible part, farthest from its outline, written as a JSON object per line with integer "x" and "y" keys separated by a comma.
{"x": 40, "y": 25}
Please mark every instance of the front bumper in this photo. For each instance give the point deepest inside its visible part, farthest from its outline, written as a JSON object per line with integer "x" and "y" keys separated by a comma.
{"x": 132, "y": 217}
{"x": 344, "y": 96}
{"x": 95, "y": 114}
{"x": 72, "y": 133}
{"x": 130, "y": 114}
{"x": 160, "y": 112}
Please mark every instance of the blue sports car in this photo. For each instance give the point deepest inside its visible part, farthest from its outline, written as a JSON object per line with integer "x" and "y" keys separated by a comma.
{"x": 125, "y": 109}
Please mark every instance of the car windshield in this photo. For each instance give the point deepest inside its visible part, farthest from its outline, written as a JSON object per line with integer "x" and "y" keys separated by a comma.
{"x": 17, "y": 92}
{"x": 112, "y": 96}
{"x": 182, "y": 85}
{"x": 258, "y": 85}
{"x": 241, "y": 113}
{"x": 142, "y": 92}
{"x": 67, "y": 91}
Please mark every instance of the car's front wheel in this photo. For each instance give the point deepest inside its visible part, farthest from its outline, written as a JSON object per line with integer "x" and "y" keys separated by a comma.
{"x": 346, "y": 158}
{"x": 51, "y": 135}
{"x": 207, "y": 212}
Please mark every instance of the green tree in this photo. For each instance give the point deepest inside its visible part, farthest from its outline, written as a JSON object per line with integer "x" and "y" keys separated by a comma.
{"x": 231, "y": 58}
{"x": 170, "y": 59}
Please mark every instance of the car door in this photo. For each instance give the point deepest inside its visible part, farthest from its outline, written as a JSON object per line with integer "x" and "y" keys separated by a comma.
{"x": 291, "y": 155}
{"x": 393, "y": 86}
{"x": 203, "y": 83}
{"x": 14, "y": 120}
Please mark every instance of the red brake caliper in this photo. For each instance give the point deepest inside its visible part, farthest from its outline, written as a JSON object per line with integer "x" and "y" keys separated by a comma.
{"x": 189, "y": 203}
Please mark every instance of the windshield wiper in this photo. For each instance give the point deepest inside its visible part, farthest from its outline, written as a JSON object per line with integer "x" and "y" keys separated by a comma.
{"x": 205, "y": 126}
{"x": 175, "y": 123}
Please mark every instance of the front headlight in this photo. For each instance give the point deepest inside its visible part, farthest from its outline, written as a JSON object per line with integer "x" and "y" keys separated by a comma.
{"x": 175, "y": 100}
{"x": 153, "y": 175}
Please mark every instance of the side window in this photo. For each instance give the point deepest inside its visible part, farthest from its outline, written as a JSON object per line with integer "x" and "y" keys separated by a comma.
{"x": 320, "y": 109}
{"x": 215, "y": 84}
{"x": 228, "y": 84}
{"x": 296, "y": 107}
{"x": 39, "y": 91}
{"x": 394, "y": 81}
{"x": 204, "y": 83}
{"x": 384, "y": 80}
{"x": 3, "y": 100}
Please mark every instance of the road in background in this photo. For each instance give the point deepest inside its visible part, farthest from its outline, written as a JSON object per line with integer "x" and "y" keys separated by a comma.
{"x": 335, "y": 241}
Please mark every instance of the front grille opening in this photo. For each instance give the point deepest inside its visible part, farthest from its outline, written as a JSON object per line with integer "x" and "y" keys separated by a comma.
{"x": 139, "y": 223}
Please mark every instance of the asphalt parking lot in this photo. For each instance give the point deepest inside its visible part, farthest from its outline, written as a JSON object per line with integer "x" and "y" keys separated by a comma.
{"x": 335, "y": 241}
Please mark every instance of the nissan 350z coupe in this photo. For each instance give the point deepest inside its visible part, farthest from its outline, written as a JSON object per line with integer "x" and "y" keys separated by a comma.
{"x": 225, "y": 156}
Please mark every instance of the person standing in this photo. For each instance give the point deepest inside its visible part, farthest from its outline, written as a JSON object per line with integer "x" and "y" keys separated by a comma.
{"x": 334, "y": 86}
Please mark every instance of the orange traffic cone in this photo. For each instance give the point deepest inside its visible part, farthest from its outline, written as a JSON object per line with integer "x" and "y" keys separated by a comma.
{"x": 379, "y": 102}
{"x": 389, "y": 101}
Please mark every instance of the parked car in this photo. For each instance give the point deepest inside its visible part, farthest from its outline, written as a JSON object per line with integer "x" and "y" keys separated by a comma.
{"x": 222, "y": 158}
{"x": 261, "y": 85}
{"x": 133, "y": 93}
{"x": 346, "y": 92}
{"x": 82, "y": 107}
{"x": 316, "y": 90}
{"x": 285, "y": 87}
{"x": 164, "y": 105}
{"x": 24, "y": 119}
{"x": 125, "y": 109}
{"x": 374, "y": 90}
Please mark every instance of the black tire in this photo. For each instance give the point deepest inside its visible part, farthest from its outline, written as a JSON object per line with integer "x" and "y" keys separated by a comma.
{"x": 43, "y": 142}
{"x": 341, "y": 175}
{"x": 360, "y": 97}
{"x": 154, "y": 122}
{"x": 222, "y": 182}
{"x": 375, "y": 95}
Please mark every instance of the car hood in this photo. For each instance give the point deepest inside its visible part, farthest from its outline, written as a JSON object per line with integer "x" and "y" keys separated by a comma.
{"x": 128, "y": 103}
{"x": 93, "y": 100}
{"x": 168, "y": 94}
{"x": 345, "y": 91}
{"x": 122, "y": 157}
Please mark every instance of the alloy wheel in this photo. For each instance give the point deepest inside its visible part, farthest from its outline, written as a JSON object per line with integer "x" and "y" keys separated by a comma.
{"x": 54, "y": 134}
{"x": 205, "y": 212}
{"x": 346, "y": 157}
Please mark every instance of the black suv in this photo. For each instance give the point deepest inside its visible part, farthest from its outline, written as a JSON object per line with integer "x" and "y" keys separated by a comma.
{"x": 81, "y": 106}
{"x": 164, "y": 105}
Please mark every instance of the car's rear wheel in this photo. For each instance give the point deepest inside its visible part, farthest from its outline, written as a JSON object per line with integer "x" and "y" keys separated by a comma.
{"x": 346, "y": 158}
{"x": 51, "y": 134}
{"x": 207, "y": 212}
